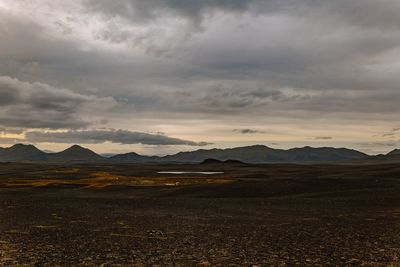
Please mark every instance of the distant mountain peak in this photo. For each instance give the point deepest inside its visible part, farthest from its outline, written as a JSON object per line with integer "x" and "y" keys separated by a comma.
{"x": 247, "y": 154}
{"x": 132, "y": 154}
{"x": 211, "y": 161}
{"x": 256, "y": 145}
{"x": 77, "y": 147}
{"x": 24, "y": 147}
{"x": 75, "y": 153}
{"x": 133, "y": 157}
{"x": 394, "y": 152}
{"x": 22, "y": 152}
{"x": 265, "y": 154}
{"x": 20, "y": 145}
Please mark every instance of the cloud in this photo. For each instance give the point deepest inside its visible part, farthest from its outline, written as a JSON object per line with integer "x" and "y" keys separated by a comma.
{"x": 7, "y": 140}
{"x": 101, "y": 136}
{"x": 328, "y": 64}
{"x": 11, "y": 131}
{"x": 248, "y": 131}
{"x": 392, "y": 133}
{"x": 363, "y": 13}
{"x": 144, "y": 11}
{"x": 38, "y": 105}
{"x": 323, "y": 137}
{"x": 229, "y": 98}
{"x": 388, "y": 134}
{"x": 279, "y": 72}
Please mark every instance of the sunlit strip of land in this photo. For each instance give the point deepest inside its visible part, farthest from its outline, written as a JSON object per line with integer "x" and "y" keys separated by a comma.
{"x": 105, "y": 179}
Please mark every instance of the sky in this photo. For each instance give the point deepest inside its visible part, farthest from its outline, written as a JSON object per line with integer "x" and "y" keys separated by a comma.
{"x": 162, "y": 76}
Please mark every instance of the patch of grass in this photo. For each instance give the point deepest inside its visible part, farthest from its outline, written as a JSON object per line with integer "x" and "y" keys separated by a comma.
{"x": 105, "y": 179}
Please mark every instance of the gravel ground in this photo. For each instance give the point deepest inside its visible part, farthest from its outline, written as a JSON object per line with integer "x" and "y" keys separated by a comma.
{"x": 202, "y": 226}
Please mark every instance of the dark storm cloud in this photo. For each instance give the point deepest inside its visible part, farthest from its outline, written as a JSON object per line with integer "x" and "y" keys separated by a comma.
{"x": 364, "y": 13}
{"x": 101, "y": 136}
{"x": 137, "y": 10}
{"x": 38, "y": 105}
{"x": 228, "y": 98}
{"x": 303, "y": 45}
{"x": 248, "y": 131}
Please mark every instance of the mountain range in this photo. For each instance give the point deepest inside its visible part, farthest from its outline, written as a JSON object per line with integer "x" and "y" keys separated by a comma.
{"x": 21, "y": 152}
{"x": 247, "y": 154}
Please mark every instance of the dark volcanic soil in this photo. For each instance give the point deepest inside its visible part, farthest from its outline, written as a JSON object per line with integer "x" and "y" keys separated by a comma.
{"x": 269, "y": 215}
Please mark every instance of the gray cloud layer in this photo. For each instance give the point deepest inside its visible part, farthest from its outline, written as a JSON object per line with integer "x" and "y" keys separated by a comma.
{"x": 255, "y": 60}
{"x": 38, "y": 105}
{"x": 248, "y": 131}
{"x": 329, "y": 53}
{"x": 365, "y": 13}
{"x": 101, "y": 136}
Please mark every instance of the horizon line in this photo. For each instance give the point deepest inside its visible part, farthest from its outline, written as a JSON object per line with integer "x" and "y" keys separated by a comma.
{"x": 253, "y": 145}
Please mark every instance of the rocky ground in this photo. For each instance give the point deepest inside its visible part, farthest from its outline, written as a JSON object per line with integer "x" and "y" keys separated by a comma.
{"x": 304, "y": 220}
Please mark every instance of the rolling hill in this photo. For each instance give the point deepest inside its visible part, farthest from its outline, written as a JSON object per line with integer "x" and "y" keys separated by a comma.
{"x": 133, "y": 157}
{"x": 247, "y": 154}
{"x": 75, "y": 153}
{"x": 21, "y": 152}
{"x": 264, "y": 154}
{"x": 395, "y": 152}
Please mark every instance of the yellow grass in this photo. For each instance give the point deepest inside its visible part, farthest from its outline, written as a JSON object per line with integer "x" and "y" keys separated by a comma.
{"x": 105, "y": 179}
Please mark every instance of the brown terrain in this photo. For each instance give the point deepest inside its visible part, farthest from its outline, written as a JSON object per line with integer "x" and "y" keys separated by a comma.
{"x": 250, "y": 215}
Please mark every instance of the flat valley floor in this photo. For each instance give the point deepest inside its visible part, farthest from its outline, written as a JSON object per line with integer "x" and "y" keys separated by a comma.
{"x": 251, "y": 215}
